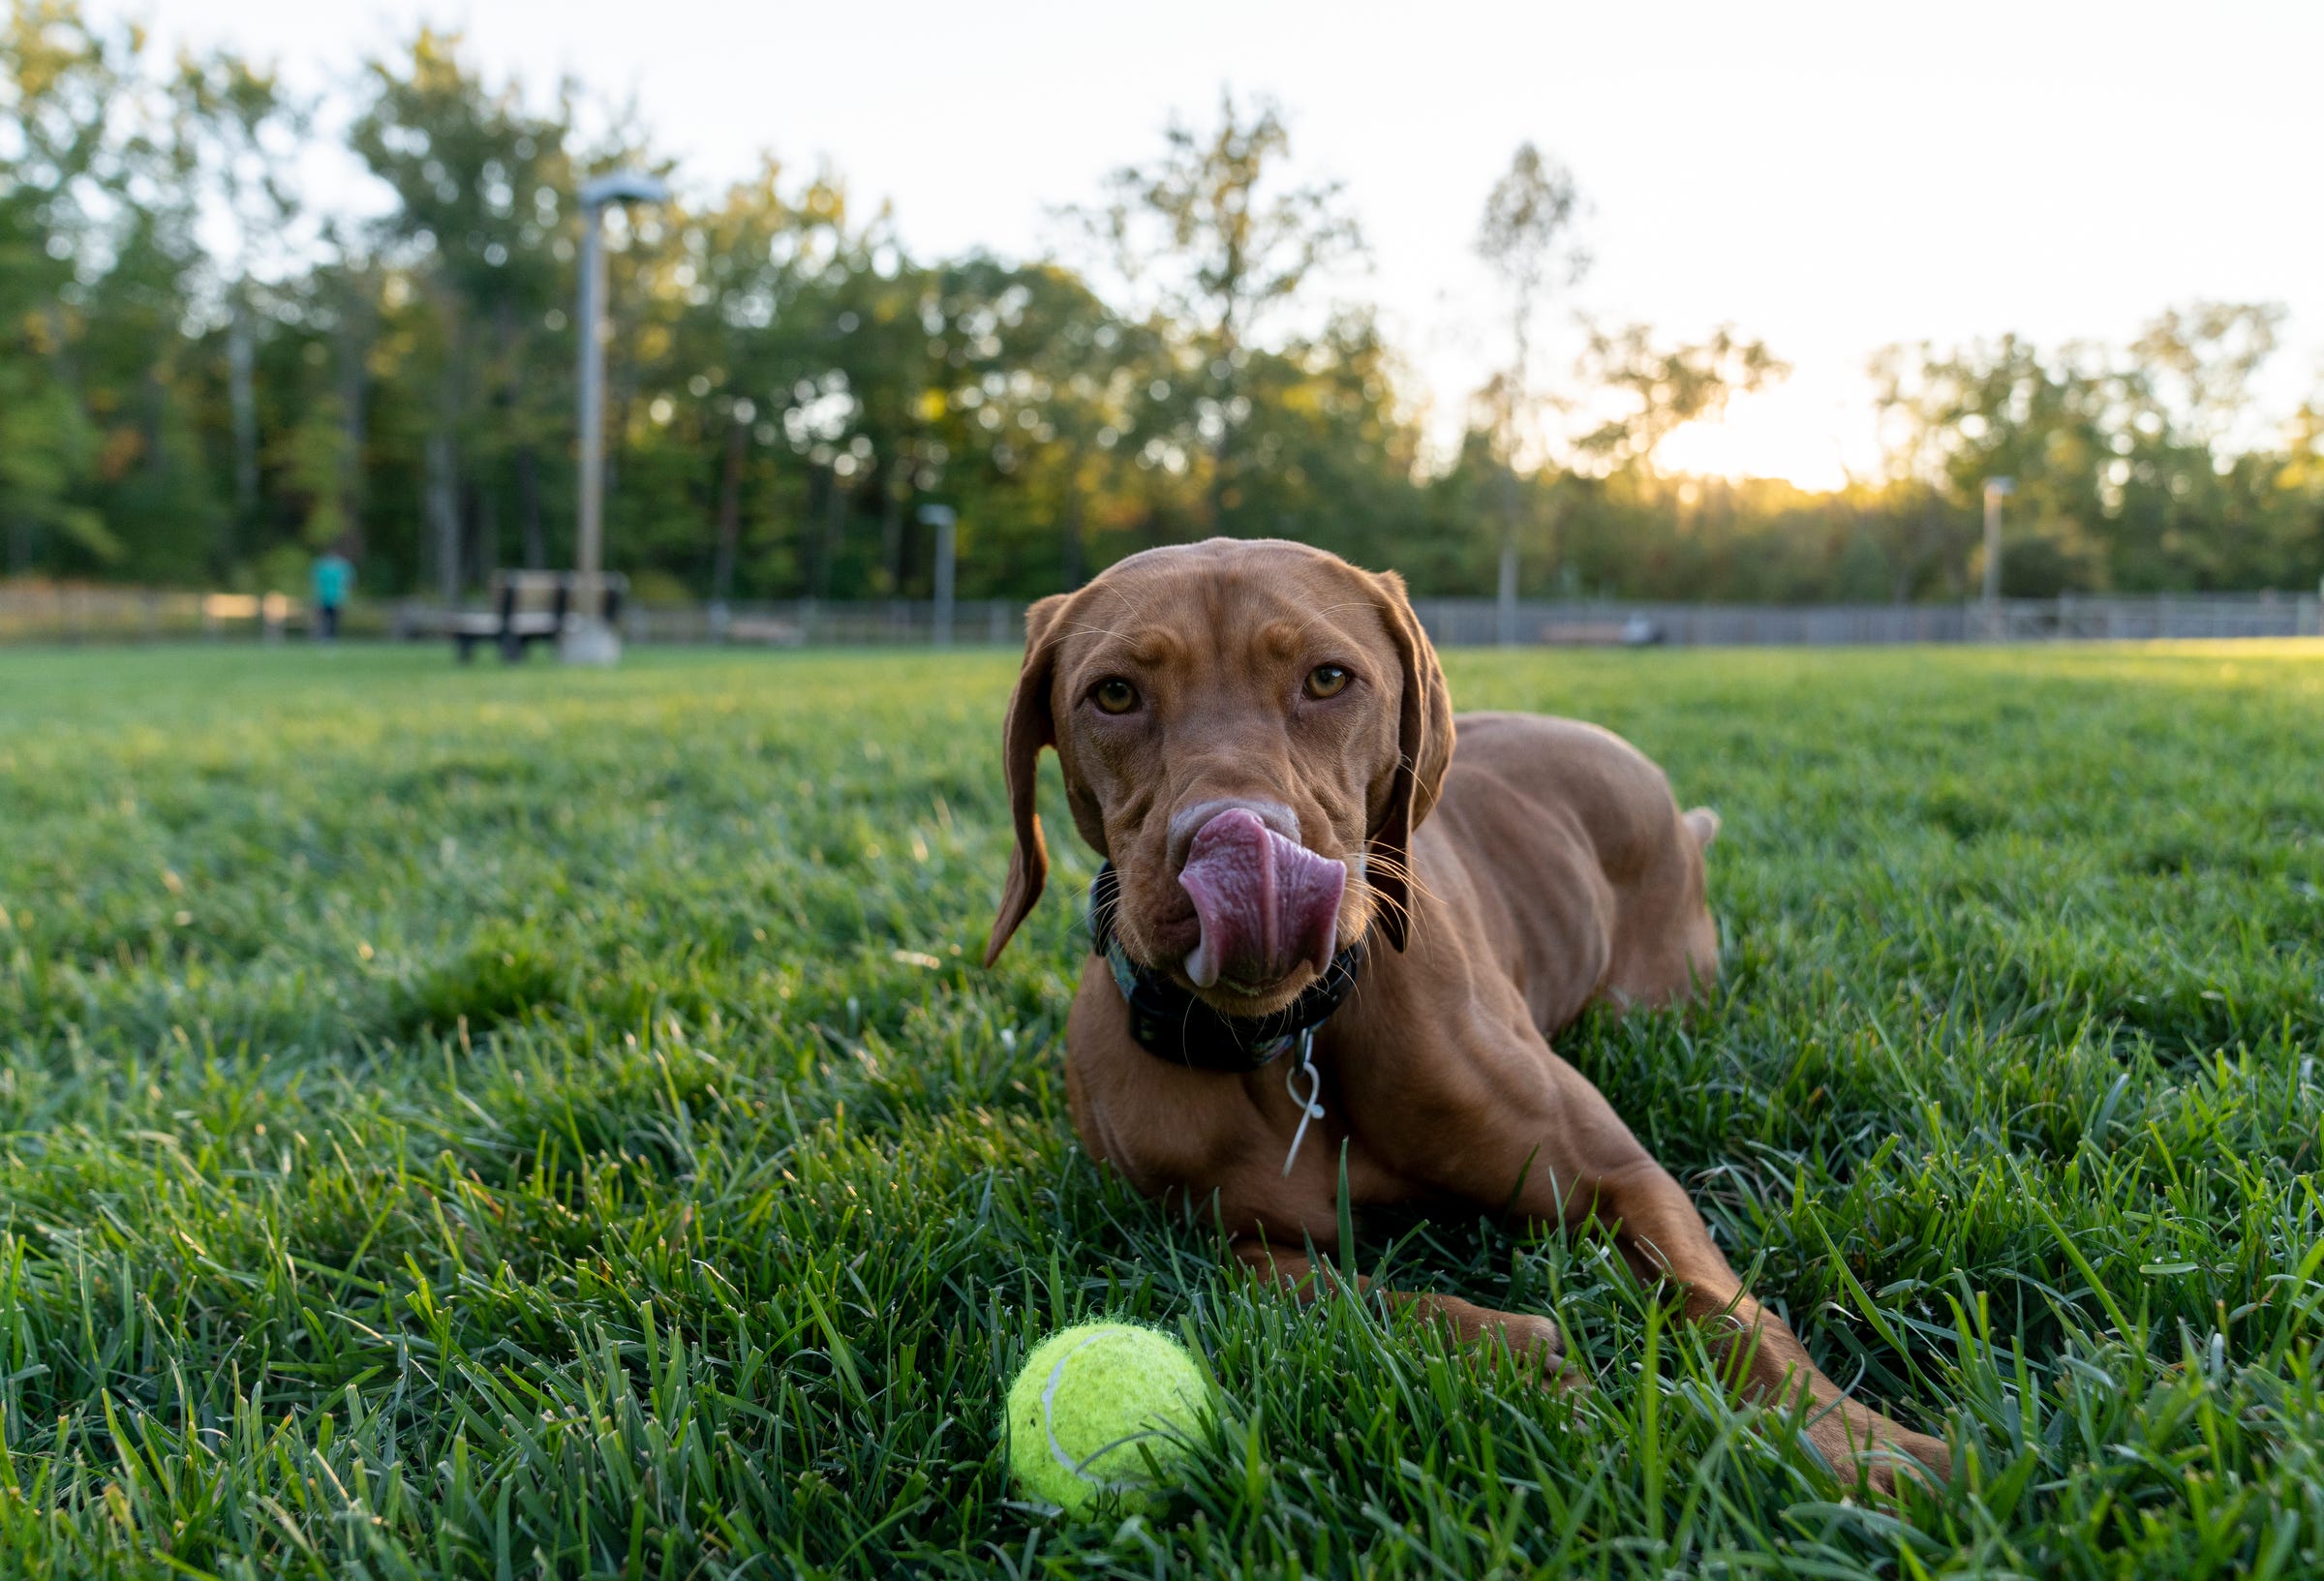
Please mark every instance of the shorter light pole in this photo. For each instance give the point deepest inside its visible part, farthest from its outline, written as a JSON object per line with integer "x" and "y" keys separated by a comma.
{"x": 946, "y": 523}
{"x": 1505, "y": 594}
{"x": 1997, "y": 489}
{"x": 586, "y": 638}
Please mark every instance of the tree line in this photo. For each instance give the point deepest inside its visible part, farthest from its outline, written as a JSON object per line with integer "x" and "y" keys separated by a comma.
{"x": 208, "y": 379}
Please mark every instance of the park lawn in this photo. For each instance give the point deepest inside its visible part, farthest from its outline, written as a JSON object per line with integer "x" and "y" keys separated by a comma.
{"x": 499, "y": 1122}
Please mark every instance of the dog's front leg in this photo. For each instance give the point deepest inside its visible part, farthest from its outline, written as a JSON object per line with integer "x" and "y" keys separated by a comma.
{"x": 1664, "y": 1236}
{"x": 1543, "y": 1140}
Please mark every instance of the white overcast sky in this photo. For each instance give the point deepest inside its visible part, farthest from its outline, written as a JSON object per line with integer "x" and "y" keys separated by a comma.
{"x": 1831, "y": 177}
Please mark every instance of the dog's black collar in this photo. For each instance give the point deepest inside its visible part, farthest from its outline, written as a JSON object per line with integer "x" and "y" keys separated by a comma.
{"x": 1171, "y": 1024}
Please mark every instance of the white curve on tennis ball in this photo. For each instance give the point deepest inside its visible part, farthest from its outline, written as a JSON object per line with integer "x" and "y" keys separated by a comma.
{"x": 1049, "y": 1425}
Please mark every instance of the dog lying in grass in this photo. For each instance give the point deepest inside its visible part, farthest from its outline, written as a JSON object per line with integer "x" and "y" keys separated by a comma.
{"x": 1319, "y": 925}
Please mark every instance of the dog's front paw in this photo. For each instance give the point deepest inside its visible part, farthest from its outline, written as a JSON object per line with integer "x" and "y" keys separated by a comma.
{"x": 1887, "y": 1452}
{"x": 1532, "y": 1341}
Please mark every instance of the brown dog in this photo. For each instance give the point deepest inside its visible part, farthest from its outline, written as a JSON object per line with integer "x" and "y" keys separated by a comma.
{"x": 1307, "y": 888}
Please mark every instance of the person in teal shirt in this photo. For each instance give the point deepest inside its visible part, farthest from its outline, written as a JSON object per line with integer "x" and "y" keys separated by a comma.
{"x": 334, "y": 579}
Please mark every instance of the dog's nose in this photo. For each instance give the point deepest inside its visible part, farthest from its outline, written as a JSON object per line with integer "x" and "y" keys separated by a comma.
{"x": 1187, "y": 819}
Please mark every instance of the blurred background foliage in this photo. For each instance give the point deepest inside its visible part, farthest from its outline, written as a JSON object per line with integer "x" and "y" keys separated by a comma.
{"x": 208, "y": 378}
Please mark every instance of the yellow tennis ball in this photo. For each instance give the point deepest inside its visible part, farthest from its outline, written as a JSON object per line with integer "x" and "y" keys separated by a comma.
{"x": 1092, "y": 1404}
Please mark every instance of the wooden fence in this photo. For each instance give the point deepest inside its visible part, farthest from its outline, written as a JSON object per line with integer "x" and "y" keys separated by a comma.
{"x": 45, "y": 614}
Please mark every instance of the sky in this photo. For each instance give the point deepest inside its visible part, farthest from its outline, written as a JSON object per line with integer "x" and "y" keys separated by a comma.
{"x": 1831, "y": 178}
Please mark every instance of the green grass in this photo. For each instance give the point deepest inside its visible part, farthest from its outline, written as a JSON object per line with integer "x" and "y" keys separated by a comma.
{"x": 495, "y": 1123}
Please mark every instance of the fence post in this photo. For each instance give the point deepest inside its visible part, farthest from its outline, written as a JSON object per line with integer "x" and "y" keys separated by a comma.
{"x": 1505, "y": 601}
{"x": 944, "y": 563}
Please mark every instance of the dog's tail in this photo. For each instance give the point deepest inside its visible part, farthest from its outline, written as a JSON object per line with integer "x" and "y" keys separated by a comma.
{"x": 1701, "y": 823}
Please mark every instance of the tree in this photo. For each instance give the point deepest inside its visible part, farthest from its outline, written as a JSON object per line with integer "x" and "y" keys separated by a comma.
{"x": 2138, "y": 468}
{"x": 1218, "y": 249}
{"x": 2005, "y": 410}
{"x": 764, "y": 270}
{"x": 58, "y": 82}
{"x": 1661, "y": 389}
{"x": 240, "y": 132}
{"x": 1038, "y": 406}
{"x": 788, "y": 388}
{"x": 483, "y": 226}
{"x": 2195, "y": 365}
{"x": 1526, "y": 238}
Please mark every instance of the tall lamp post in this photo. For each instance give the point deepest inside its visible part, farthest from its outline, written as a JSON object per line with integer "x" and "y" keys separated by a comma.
{"x": 1997, "y": 489}
{"x": 587, "y": 639}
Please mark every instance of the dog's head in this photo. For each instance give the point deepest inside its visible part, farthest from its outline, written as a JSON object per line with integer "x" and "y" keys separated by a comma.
{"x": 1250, "y": 732}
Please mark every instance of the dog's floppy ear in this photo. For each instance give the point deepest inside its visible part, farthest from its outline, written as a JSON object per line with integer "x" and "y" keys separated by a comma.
{"x": 1029, "y": 728}
{"x": 1424, "y": 749}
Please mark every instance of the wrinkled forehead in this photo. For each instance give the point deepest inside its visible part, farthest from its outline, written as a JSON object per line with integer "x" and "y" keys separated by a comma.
{"x": 1192, "y": 608}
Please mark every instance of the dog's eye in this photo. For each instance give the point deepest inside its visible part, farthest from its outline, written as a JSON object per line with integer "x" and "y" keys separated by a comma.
{"x": 1116, "y": 695}
{"x": 1327, "y": 679}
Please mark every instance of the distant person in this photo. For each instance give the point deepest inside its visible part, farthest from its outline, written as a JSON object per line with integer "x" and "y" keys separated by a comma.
{"x": 334, "y": 579}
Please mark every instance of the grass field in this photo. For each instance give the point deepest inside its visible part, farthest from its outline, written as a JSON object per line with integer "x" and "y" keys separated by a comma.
{"x": 495, "y": 1123}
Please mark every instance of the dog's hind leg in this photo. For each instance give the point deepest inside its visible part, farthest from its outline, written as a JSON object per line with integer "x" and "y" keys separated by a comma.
{"x": 1665, "y": 943}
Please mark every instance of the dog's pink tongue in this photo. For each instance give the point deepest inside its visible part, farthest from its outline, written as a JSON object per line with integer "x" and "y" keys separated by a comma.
{"x": 1266, "y": 903}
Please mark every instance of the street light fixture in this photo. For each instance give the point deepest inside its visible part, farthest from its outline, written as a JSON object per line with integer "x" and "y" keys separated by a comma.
{"x": 586, "y": 638}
